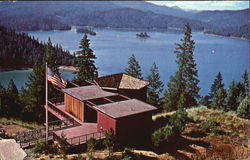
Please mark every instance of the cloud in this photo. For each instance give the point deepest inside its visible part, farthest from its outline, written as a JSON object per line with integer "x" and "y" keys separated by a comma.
{"x": 205, "y": 5}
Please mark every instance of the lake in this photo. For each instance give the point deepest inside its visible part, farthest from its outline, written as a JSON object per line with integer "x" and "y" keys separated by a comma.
{"x": 112, "y": 47}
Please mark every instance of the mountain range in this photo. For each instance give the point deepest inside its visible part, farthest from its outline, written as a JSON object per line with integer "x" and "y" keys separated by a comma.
{"x": 48, "y": 15}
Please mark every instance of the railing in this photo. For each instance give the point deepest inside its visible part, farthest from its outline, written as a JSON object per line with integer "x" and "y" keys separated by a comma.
{"x": 83, "y": 138}
{"x": 27, "y": 138}
{"x": 58, "y": 111}
{"x": 57, "y": 101}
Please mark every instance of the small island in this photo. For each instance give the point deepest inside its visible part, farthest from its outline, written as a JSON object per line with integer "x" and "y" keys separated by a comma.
{"x": 143, "y": 35}
{"x": 86, "y": 30}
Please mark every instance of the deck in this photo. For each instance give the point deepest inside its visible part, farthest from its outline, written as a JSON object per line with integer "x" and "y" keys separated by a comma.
{"x": 75, "y": 135}
{"x": 80, "y": 134}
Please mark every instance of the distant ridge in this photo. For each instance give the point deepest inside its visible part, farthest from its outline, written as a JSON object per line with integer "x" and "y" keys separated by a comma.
{"x": 49, "y": 15}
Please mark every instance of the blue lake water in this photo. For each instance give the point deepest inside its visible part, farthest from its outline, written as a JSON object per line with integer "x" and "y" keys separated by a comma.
{"x": 213, "y": 54}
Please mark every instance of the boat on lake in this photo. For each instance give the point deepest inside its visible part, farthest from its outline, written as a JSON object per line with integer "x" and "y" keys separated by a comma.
{"x": 143, "y": 35}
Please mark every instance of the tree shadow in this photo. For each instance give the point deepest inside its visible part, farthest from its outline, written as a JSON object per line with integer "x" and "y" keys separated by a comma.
{"x": 196, "y": 134}
{"x": 180, "y": 143}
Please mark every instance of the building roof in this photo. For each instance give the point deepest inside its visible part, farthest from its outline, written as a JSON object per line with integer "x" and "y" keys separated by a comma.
{"x": 121, "y": 81}
{"x": 124, "y": 108}
{"x": 87, "y": 92}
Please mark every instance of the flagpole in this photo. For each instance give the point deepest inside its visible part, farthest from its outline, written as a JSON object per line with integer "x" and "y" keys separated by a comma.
{"x": 46, "y": 103}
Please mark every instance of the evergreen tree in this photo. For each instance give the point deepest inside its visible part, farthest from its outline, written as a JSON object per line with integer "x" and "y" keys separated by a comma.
{"x": 219, "y": 99}
{"x": 179, "y": 119}
{"x": 3, "y": 102}
{"x": 85, "y": 61}
{"x": 217, "y": 84}
{"x": 35, "y": 94}
{"x": 14, "y": 108}
{"x": 185, "y": 81}
{"x": 133, "y": 68}
{"x": 243, "y": 110}
{"x": 231, "y": 99}
{"x": 51, "y": 58}
{"x": 52, "y": 63}
{"x": 245, "y": 83}
{"x": 155, "y": 87}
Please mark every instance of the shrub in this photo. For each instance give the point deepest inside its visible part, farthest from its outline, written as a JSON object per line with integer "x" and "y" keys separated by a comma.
{"x": 210, "y": 125}
{"x": 63, "y": 144}
{"x": 162, "y": 134}
{"x": 178, "y": 121}
{"x": 43, "y": 148}
{"x": 127, "y": 153}
{"x": 244, "y": 107}
{"x": 110, "y": 141}
{"x": 91, "y": 146}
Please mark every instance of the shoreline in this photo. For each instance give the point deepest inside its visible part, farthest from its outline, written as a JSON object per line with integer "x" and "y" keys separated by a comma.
{"x": 68, "y": 68}
{"x": 226, "y": 36}
{"x": 130, "y": 29}
{"x": 8, "y": 69}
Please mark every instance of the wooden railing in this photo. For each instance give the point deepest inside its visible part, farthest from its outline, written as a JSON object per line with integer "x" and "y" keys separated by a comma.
{"x": 29, "y": 137}
{"x": 83, "y": 138}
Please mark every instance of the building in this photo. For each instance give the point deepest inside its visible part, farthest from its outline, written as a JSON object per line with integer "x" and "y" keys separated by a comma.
{"x": 97, "y": 110}
{"x": 113, "y": 102}
{"x": 124, "y": 84}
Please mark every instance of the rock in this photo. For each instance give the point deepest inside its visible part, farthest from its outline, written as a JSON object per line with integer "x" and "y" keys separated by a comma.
{"x": 10, "y": 150}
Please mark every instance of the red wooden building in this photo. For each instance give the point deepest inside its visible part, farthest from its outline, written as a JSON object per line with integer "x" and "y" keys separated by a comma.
{"x": 97, "y": 110}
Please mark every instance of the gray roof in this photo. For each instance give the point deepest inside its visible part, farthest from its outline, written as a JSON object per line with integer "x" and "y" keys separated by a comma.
{"x": 87, "y": 92}
{"x": 121, "y": 81}
{"x": 124, "y": 108}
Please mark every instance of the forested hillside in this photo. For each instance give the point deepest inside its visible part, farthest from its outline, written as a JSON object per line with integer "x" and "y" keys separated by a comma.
{"x": 49, "y": 15}
{"x": 238, "y": 31}
{"x": 19, "y": 50}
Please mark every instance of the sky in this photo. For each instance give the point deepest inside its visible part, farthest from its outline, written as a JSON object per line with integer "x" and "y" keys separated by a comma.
{"x": 205, "y": 5}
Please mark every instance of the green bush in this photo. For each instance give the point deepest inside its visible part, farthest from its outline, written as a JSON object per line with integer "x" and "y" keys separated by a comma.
{"x": 162, "y": 134}
{"x": 63, "y": 144}
{"x": 210, "y": 125}
{"x": 179, "y": 120}
{"x": 110, "y": 141}
{"x": 43, "y": 148}
{"x": 91, "y": 146}
{"x": 244, "y": 107}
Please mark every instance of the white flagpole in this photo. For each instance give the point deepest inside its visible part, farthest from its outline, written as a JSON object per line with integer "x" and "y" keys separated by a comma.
{"x": 46, "y": 98}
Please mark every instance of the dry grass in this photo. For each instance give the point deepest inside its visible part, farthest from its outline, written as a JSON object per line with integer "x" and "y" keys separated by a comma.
{"x": 229, "y": 144}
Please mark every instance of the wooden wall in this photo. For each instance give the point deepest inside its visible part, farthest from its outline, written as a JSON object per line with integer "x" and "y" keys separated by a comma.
{"x": 105, "y": 122}
{"x": 74, "y": 106}
{"x": 134, "y": 128}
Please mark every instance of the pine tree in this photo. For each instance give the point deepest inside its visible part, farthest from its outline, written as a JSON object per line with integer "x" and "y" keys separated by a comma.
{"x": 245, "y": 83}
{"x": 52, "y": 63}
{"x": 51, "y": 58}
{"x": 3, "y": 101}
{"x": 185, "y": 81}
{"x": 35, "y": 94}
{"x": 85, "y": 62}
{"x": 217, "y": 84}
{"x": 155, "y": 87}
{"x": 219, "y": 99}
{"x": 243, "y": 110}
{"x": 231, "y": 99}
{"x": 133, "y": 68}
{"x": 14, "y": 108}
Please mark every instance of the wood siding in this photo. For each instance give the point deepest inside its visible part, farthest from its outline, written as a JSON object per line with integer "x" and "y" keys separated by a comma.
{"x": 134, "y": 128}
{"x": 74, "y": 106}
{"x": 105, "y": 122}
{"x": 140, "y": 94}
